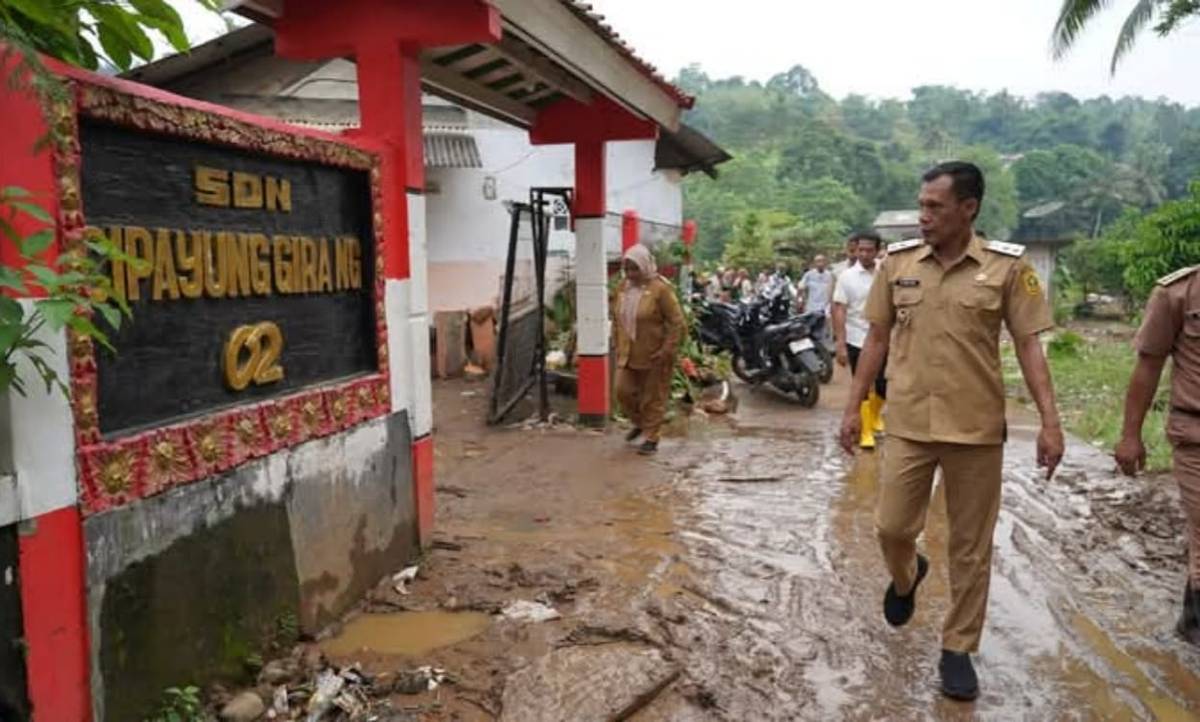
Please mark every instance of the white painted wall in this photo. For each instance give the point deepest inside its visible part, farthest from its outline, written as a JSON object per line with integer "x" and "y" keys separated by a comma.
{"x": 468, "y": 233}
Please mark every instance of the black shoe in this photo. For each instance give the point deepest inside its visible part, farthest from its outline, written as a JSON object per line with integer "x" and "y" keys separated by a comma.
{"x": 1188, "y": 625}
{"x": 899, "y": 609}
{"x": 958, "y": 676}
{"x": 648, "y": 448}
{"x": 633, "y": 434}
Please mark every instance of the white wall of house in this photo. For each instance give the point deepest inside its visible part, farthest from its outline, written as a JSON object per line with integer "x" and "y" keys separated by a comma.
{"x": 468, "y": 232}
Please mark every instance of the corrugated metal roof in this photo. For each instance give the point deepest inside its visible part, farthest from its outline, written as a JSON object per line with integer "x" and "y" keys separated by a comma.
{"x": 451, "y": 150}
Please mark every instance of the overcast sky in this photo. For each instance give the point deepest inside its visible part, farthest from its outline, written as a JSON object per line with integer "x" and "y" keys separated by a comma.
{"x": 883, "y": 48}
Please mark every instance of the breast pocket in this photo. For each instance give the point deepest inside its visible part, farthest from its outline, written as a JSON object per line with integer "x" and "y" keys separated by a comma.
{"x": 908, "y": 302}
{"x": 983, "y": 298}
{"x": 1191, "y": 323}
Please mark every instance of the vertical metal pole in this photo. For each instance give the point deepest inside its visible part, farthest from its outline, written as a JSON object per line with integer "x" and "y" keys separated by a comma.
{"x": 505, "y": 304}
{"x": 541, "y": 233}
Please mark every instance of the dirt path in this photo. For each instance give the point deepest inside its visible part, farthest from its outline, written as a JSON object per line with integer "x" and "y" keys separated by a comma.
{"x": 736, "y": 577}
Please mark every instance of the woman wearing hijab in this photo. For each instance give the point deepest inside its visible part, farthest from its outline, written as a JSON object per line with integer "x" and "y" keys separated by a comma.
{"x": 648, "y": 327}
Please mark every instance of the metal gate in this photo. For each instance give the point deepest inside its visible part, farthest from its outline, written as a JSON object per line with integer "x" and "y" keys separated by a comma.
{"x": 521, "y": 346}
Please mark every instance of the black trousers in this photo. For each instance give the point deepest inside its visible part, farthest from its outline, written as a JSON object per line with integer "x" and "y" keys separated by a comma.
{"x": 880, "y": 381}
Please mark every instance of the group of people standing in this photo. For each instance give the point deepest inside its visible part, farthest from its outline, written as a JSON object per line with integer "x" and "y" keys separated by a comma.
{"x": 921, "y": 327}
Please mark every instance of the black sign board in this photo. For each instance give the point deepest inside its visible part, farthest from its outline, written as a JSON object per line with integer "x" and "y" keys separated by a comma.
{"x": 255, "y": 275}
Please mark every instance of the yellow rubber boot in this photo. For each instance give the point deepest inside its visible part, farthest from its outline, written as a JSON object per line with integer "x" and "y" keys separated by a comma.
{"x": 867, "y": 437}
{"x": 876, "y": 403}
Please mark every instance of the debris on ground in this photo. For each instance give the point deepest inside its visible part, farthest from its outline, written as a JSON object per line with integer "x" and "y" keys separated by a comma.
{"x": 345, "y": 690}
{"x": 606, "y": 682}
{"x": 535, "y": 423}
{"x": 749, "y": 479}
{"x": 526, "y": 611}
{"x": 718, "y": 399}
{"x": 421, "y": 679}
{"x": 401, "y": 579}
{"x": 245, "y": 707}
{"x": 279, "y": 705}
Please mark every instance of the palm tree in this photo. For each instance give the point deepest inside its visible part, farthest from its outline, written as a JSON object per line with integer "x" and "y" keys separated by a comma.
{"x": 1075, "y": 15}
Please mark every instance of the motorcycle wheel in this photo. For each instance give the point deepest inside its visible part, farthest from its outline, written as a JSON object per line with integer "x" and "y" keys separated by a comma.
{"x": 808, "y": 390}
{"x": 827, "y": 360}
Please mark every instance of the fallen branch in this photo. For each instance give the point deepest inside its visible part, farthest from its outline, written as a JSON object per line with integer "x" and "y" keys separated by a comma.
{"x": 749, "y": 479}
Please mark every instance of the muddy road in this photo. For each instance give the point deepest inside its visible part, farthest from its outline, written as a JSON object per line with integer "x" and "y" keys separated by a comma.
{"x": 736, "y": 577}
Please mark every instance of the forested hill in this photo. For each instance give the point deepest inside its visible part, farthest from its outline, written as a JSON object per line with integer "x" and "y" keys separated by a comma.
{"x": 808, "y": 167}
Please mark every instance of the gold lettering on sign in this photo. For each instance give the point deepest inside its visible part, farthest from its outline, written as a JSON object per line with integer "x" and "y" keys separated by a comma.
{"x": 260, "y": 264}
{"x": 138, "y": 244}
{"x": 247, "y": 190}
{"x": 189, "y": 250}
{"x": 220, "y": 188}
{"x": 212, "y": 186}
{"x": 279, "y": 194}
{"x": 214, "y": 264}
{"x": 237, "y": 266}
{"x": 341, "y": 262}
{"x": 324, "y": 273}
{"x": 263, "y": 344}
{"x": 281, "y": 245}
{"x": 309, "y": 254}
{"x": 355, "y": 263}
{"x": 166, "y": 278}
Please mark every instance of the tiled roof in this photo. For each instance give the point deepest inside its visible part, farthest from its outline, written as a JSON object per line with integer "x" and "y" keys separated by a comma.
{"x": 595, "y": 20}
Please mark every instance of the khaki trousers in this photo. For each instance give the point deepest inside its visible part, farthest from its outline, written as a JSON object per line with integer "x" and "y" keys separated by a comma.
{"x": 642, "y": 394}
{"x": 971, "y": 477}
{"x": 1187, "y": 474}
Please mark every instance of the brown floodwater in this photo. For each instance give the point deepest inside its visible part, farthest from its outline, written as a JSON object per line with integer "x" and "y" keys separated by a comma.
{"x": 408, "y": 634}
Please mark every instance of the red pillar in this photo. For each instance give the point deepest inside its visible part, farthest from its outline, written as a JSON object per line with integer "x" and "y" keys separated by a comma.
{"x": 629, "y": 230}
{"x": 386, "y": 38}
{"x": 589, "y": 127}
{"x": 51, "y": 558}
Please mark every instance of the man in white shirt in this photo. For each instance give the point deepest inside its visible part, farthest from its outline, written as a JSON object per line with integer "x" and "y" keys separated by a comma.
{"x": 850, "y": 326}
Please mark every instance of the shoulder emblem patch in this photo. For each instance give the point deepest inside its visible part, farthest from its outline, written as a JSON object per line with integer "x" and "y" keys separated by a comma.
{"x": 1179, "y": 275}
{"x": 904, "y": 245}
{"x": 1030, "y": 282}
{"x": 1016, "y": 250}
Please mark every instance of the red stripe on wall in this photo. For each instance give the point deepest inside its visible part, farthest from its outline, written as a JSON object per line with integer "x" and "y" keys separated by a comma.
{"x": 593, "y": 385}
{"x": 423, "y": 488}
{"x": 54, "y": 605}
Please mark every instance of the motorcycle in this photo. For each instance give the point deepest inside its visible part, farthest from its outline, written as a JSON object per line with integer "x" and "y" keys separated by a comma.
{"x": 786, "y": 354}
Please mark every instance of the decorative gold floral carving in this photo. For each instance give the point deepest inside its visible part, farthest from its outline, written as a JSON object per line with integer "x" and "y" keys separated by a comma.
{"x": 246, "y": 431}
{"x": 167, "y": 456}
{"x": 281, "y": 425}
{"x": 309, "y": 411}
{"x": 338, "y": 408}
{"x": 116, "y": 473}
{"x": 209, "y": 445}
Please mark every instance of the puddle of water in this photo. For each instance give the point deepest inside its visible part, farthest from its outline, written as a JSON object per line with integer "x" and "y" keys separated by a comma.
{"x": 408, "y": 634}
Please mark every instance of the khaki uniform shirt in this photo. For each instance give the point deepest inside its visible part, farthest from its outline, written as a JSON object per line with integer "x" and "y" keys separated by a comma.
{"x": 944, "y": 378}
{"x": 659, "y": 326}
{"x": 1171, "y": 327}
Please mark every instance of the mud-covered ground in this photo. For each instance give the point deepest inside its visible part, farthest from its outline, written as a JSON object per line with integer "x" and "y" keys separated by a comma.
{"x": 736, "y": 577}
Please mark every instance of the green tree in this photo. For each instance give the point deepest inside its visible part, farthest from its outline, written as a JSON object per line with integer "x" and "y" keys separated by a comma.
{"x": 76, "y": 288}
{"x": 1162, "y": 241}
{"x": 1075, "y": 15}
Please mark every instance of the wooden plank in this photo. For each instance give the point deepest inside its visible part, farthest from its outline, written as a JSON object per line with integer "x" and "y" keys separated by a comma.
{"x": 459, "y": 89}
{"x": 540, "y": 68}
{"x": 552, "y": 28}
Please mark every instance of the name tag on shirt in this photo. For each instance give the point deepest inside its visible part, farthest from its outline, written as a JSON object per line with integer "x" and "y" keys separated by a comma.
{"x": 908, "y": 282}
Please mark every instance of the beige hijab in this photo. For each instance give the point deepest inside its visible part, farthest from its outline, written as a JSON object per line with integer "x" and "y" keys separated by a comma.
{"x": 631, "y": 296}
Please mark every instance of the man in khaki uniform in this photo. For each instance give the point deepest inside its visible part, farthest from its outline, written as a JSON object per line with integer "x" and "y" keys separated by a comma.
{"x": 1171, "y": 328}
{"x": 935, "y": 309}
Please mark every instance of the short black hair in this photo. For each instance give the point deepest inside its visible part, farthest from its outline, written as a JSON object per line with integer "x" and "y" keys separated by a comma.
{"x": 872, "y": 236}
{"x": 966, "y": 179}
